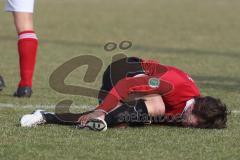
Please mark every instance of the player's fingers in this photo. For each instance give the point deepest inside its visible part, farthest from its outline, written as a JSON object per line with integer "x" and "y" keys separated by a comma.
{"x": 79, "y": 119}
{"x": 83, "y": 119}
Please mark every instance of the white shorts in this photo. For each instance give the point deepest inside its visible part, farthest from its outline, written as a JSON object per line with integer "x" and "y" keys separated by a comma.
{"x": 19, "y": 6}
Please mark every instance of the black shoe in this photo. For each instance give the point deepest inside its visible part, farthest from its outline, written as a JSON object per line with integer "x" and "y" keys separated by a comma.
{"x": 2, "y": 84}
{"x": 94, "y": 124}
{"x": 23, "y": 92}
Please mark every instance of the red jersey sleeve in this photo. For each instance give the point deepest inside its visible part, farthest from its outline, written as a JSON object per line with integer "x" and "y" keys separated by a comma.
{"x": 134, "y": 85}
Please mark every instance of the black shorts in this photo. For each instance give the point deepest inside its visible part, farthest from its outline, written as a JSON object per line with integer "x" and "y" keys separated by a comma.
{"x": 126, "y": 67}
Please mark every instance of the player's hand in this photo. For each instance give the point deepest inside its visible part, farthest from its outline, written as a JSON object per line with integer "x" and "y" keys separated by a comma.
{"x": 94, "y": 115}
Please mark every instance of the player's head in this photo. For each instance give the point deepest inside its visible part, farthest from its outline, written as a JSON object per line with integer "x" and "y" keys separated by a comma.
{"x": 209, "y": 113}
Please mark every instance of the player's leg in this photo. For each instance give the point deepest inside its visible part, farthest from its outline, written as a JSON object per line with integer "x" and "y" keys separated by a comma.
{"x": 63, "y": 118}
{"x": 137, "y": 112}
{"x": 117, "y": 71}
{"x": 155, "y": 104}
{"x": 2, "y": 83}
{"x": 23, "y": 21}
{"x": 43, "y": 117}
{"x": 40, "y": 117}
{"x": 22, "y": 11}
{"x": 27, "y": 49}
{"x": 106, "y": 84}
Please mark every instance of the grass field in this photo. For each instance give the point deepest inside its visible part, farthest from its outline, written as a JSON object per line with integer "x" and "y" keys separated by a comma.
{"x": 199, "y": 36}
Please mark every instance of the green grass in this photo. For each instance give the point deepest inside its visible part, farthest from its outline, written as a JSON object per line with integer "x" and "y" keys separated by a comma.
{"x": 199, "y": 36}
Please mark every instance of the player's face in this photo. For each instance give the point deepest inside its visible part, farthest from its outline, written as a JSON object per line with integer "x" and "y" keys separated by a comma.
{"x": 190, "y": 120}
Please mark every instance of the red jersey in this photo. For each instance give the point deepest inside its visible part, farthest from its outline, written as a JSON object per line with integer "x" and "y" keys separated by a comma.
{"x": 175, "y": 86}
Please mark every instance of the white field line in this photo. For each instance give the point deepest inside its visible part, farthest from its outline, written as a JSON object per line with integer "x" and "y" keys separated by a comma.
{"x": 235, "y": 111}
{"x": 40, "y": 106}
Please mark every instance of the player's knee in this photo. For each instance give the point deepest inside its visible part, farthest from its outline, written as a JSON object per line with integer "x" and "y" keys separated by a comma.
{"x": 23, "y": 21}
{"x": 155, "y": 105}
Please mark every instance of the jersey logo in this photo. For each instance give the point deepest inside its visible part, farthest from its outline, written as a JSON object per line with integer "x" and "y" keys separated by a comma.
{"x": 154, "y": 82}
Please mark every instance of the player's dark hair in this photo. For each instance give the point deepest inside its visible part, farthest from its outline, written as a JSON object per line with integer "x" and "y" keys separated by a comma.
{"x": 212, "y": 113}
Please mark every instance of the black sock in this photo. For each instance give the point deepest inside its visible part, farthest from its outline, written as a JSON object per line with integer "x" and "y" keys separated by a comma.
{"x": 133, "y": 115}
{"x": 63, "y": 118}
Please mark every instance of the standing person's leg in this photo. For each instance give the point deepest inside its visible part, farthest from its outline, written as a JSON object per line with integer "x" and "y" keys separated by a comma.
{"x": 27, "y": 43}
{"x": 2, "y": 83}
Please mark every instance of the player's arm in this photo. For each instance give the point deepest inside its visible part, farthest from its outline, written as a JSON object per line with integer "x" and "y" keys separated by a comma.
{"x": 134, "y": 85}
{"x": 123, "y": 89}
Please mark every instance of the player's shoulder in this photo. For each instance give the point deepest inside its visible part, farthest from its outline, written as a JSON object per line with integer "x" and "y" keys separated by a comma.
{"x": 177, "y": 70}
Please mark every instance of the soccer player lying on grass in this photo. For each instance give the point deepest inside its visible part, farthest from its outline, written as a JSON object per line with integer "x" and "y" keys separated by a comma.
{"x": 142, "y": 92}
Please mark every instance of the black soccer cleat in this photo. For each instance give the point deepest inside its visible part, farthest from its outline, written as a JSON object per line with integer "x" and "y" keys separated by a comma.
{"x": 94, "y": 124}
{"x": 2, "y": 83}
{"x": 23, "y": 92}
